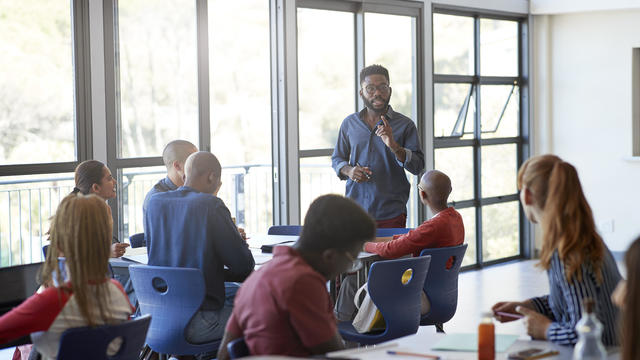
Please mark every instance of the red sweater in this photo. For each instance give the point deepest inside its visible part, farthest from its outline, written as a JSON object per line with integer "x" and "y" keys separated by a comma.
{"x": 443, "y": 230}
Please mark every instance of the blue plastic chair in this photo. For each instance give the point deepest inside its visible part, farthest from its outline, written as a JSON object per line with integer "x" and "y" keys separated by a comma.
{"x": 285, "y": 230}
{"x": 237, "y": 348}
{"x": 171, "y": 305}
{"x": 399, "y": 303}
{"x": 92, "y": 342}
{"x": 137, "y": 240}
{"x": 384, "y": 232}
{"x": 441, "y": 285}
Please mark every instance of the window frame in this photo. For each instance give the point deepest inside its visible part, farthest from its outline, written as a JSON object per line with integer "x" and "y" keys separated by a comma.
{"x": 359, "y": 8}
{"x": 82, "y": 100}
{"x": 521, "y": 141}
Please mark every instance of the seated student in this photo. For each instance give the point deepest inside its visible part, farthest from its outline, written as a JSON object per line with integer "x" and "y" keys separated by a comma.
{"x": 444, "y": 229}
{"x": 627, "y": 297}
{"x": 94, "y": 177}
{"x": 577, "y": 261}
{"x": 81, "y": 232}
{"x": 174, "y": 156}
{"x": 192, "y": 227}
{"x": 284, "y": 308}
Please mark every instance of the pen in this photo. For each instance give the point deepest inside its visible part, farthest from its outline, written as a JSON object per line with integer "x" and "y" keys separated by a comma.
{"x": 543, "y": 355}
{"x": 426, "y": 356}
{"x": 365, "y": 174}
{"x": 506, "y": 314}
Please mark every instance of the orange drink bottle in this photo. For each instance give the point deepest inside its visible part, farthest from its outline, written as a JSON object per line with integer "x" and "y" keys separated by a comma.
{"x": 486, "y": 338}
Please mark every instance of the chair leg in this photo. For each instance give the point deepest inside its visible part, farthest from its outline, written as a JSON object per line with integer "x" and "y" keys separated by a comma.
{"x": 439, "y": 328}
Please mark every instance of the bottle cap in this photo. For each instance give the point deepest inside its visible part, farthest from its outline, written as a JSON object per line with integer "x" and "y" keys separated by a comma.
{"x": 587, "y": 305}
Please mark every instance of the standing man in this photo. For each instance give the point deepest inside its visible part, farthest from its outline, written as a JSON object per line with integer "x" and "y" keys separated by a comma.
{"x": 374, "y": 148}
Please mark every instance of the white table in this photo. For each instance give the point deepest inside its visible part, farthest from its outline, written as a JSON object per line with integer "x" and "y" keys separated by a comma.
{"x": 427, "y": 337}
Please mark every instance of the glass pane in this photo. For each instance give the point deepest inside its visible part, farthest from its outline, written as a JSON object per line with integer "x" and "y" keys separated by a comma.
{"x": 397, "y": 33}
{"x": 36, "y": 82}
{"x": 453, "y": 44}
{"x": 27, "y": 203}
{"x": 499, "y": 170}
{"x": 317, "y": 178}
{"x": 457, "y": 163}
{"x": 500, "y": 231}
{"x": 326, "y": 86}
{"x": 240, "y": 86}
{"x": 158, "y": 75}
{"x": 454, "y": 111}
{"x": 500, "y": 110}
{"x": 133, "y": 186}
{"x": 498, "y": 47}
{"x": 469, "y": 220}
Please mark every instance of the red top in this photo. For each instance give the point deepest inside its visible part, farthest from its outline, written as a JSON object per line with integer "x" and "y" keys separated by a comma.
{"x": 443, "y": 230}
{"x": 284, "y": 307}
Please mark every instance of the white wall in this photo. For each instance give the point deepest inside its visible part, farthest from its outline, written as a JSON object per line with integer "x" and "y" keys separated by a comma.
{"x": 582, "y": 63}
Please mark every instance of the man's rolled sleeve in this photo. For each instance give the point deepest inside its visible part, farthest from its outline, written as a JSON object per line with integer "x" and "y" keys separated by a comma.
{"x": 414, "y": 163}
{"x": 340, "y": 153}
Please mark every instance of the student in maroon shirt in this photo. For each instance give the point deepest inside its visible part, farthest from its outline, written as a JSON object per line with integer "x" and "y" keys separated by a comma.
{"x": 444, "y": 229}
{"x": 284, "y": 307}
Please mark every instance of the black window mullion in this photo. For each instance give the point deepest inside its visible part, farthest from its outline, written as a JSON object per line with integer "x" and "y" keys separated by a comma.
{"x": 477, "y": 165}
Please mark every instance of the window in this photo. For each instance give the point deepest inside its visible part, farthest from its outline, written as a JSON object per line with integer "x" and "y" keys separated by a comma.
{"x": 328, "y": 81}
{"x": 240, "y": 110}
{"x": 477, "y": 127}
{"x": 171, "y": 87}
{"x": 43, "y": 118}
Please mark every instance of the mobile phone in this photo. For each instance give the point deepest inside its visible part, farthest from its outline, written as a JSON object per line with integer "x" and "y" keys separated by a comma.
{"x": 525, "y": 354}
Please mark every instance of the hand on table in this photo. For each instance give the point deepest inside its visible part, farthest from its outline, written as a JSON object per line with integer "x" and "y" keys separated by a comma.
{"x": 118, "y": 249}
{"x": 510, "y": 308}
{"x": 535, "y": 323}
{"x": 242, "y": 234}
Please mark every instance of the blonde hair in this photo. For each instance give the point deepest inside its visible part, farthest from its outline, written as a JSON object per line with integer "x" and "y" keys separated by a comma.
{"x": 81, "y": 232}
{"x": 567, "y": 221}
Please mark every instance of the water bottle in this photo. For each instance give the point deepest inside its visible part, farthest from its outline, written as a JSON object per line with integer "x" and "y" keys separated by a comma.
{"x": 589, "y": 328}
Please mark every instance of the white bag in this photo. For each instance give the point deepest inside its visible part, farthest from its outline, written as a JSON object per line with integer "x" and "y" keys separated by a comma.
{"x": 368, "y": 318}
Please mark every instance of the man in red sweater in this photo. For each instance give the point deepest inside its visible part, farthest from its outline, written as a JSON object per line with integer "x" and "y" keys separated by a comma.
{"x": 444, "y": 229}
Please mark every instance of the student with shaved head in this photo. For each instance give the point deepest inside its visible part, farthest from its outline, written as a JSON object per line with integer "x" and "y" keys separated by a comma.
{"x": 192, "y": 227}
{"x": 444, "y": 229}
{"x": 174, "y": 156}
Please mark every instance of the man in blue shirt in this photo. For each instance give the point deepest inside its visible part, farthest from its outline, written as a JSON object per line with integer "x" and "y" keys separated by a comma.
{"x": 192, "y": 227}
{"x": 174, "y": 155}
{"x": 374, "y": 148}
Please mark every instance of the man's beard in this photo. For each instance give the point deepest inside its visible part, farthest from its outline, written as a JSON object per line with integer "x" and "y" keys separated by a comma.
{"x": 369, "y": 104}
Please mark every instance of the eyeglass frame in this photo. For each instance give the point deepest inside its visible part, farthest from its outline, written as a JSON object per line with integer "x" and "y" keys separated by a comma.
{"x": 383, "y": 88}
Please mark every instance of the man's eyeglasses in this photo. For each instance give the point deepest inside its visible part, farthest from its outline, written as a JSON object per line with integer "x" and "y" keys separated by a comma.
{"x": 420, "y": 188}
{"x": 383, "y": 88}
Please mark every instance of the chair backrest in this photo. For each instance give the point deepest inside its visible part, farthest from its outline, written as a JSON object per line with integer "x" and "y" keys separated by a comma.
{"x": 137, "y": 240}
{"x": 92, "y": 342}
{"x": 441, "y": 285}
{"x": 172, "y": 295}
{"x": 285, "y": 230}
{"x": 237, "y": 348}
{"x": 399, "y": 303}
{"x": 45, "y": 248}
{"x": 384, "y": 232}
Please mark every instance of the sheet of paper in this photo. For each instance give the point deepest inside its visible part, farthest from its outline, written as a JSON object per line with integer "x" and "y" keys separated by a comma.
{"x": 469, "y": 342}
